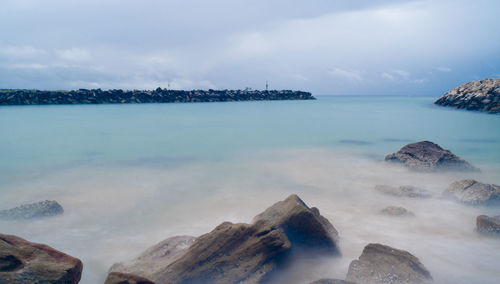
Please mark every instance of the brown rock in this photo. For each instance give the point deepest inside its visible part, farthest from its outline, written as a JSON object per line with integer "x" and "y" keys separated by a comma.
{"x": 22, "y": 261}
{"x": 488, "y": 225}
{"x": 397, "y": 211}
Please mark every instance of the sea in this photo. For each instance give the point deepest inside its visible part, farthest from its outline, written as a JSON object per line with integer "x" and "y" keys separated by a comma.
{"x": 131, "y": 175}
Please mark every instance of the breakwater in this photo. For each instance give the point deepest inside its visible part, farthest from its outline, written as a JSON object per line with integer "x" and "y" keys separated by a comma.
{"x": 98, "y": 96}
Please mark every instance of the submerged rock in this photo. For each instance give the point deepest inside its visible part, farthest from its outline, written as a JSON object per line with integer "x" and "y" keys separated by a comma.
{"x": 472, "y": 192}
{"x": 427, "y": 157}
{"x": 385, "y": 265}
{"x": 124, "y": 278}
{"x": 26, "y": 262}
{"x": 40, "y": 209}
{"x": 244, "y": 253}
{"x": 488, "y": 225}
{"x": 403, "y": 191}
{"x": 331, "y": 281}
{"x": 396, "y": 211}
{"x": 481, "y": 95}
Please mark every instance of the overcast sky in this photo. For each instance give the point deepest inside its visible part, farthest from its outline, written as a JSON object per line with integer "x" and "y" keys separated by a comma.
{"x": 326, "y": 47}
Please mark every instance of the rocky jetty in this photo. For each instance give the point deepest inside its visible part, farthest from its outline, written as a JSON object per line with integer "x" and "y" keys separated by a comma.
{"x": 472, "y": 192}
{"x": 385, "y": 265}
{"x": 488, "y": 225}
{"x": 241, "y": 253}
{"x": 403, "y": 191}
{"x": 426, "y": 156}
{"x": 481, "y": 95}
{"x": 124, "y": 278}
{"x": 26, "y": 262}
{"x": 397, "y": 211}
{"x": 98, "y": 96}
{"x": 40, "y": 209}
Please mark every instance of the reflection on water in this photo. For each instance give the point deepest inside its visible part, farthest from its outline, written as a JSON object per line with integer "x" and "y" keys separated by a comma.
{"x": 115, "y": 211}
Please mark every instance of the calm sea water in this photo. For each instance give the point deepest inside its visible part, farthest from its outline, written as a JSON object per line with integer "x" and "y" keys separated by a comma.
{"x": 129, "y": 176}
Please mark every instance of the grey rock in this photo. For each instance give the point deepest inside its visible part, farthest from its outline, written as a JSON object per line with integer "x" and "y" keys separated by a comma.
{"x": 397, "y": 211}
{"x": 426, "y": 156}
{"x": 488, "y": 225}
{"x": 125, "y": 278}
{"x": 481, "y": 95}
{"x": 472, "y": 192}
{"x": 385, "y": 265}
{"x": 40, "y": 209}
{"x": 403, "y": 191}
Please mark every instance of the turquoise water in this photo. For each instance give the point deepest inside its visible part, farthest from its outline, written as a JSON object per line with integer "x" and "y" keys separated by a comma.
{"x": 129, "y": 176}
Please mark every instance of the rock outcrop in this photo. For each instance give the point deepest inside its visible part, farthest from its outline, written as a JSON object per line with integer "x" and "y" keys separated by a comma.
{"x": 488, "y": 225}
{"x": 245, "y": 253}
{"x": 481, "y": 95}
{"x": 26, "y": 262}
{"x": 397, "y": 211}
{"x": 98, "y": 96}
{"x": 385, "y": 265}
{"x": 472, "y": 192}
{"x": 34, "y": 210}
{"x": 403, "y": 191}
{"x": 125, "y": 278}
{"x": 427, "y": 157}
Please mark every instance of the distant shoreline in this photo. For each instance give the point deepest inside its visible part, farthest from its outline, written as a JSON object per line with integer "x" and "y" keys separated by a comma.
{"x": 98, "y": 96}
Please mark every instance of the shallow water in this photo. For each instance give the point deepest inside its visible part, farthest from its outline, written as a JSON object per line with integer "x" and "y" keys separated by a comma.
{"x": 129, "y": 176}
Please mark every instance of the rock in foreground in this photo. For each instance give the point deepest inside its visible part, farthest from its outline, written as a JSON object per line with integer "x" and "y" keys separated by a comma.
{"x": 488, "y": 225}
{"x": 25, "y": 262}
{"x": 397, "y": 211}
{"x": 472, "y": 192}
{"x": 124, "y": 278}
{"x": 385, "y": 265}
{"x": 246, "y": 253}
{"x": 481, "y": 95}
{"x": 403, "y": 191}
{"x": 40, "y": 209}
{"x": 426, "y": 156}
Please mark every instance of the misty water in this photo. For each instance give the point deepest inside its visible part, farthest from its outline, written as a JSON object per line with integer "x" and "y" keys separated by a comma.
{"x": 129, "y": 176}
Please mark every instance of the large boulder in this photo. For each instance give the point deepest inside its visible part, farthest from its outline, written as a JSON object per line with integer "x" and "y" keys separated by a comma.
{"x": 481, "y": 95}
{"x": 385, "y": 265}
{"x": 33, "y": 210}
{"x": 488, "y": 225}
{"x": 426, "y": 156}
{"x": 403, "y": 191}
{"x": 472, "y": 192}
{"x": 22, "y": 261}
{"x": 125, "y": 278}
{"x": 245, "y": 253}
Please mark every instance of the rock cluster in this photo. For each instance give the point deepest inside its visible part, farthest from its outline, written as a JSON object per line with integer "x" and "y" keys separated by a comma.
{"x": 481, "y": 95}
{"x": 385, "y": 265}
{"x": 26, "y": 262}
{"x": 98, "y": 96}
{"x": 241, "y": 253}
{"x": 472, "y": 192}
{"x": 34, "y": 210}
{"x": 426, "y": 156}
{"x": 488, "y": 225}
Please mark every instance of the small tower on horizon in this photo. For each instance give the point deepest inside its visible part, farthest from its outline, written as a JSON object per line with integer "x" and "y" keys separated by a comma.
{"x": 267, "y": 85}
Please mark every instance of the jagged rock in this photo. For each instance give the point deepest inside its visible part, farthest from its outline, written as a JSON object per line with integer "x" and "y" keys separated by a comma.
{"x": 481, "y": 95}
{"x": 246, "y": 253}
{"x": 26, "y": 262}
{"x": 488, "y": 225}
{"x": 34, "y": 210}
{"x": 125, "y": 278}
{"x": 385, "y": 265}
{"x": 403, "y": 191}
{"x": 427, "y": 156}
{"x": 472, "y": 192}
{"x": 331, "y": 281}
{"x": 396, "y": 211}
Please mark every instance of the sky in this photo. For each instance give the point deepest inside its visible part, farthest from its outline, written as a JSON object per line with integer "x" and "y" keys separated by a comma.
{"x": 327, "y": 47}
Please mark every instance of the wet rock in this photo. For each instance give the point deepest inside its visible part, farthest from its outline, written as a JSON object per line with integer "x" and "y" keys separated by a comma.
{"x": 383, "y": 264}
{"x": 472, "y": 192}
{"x": 488, "y": 225}
{"x": 397, "y": 211}
{"x": 481, "y": 95}
{"x": 247, "y": 253}
{"x": 403, "y": 191}
{"x": 331, "y": 281}
{"x": 124, "y": 278}
{"x": 426, "y": 156}
{"x": 22, "y": 262}
{"x": 40, "y": 209}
